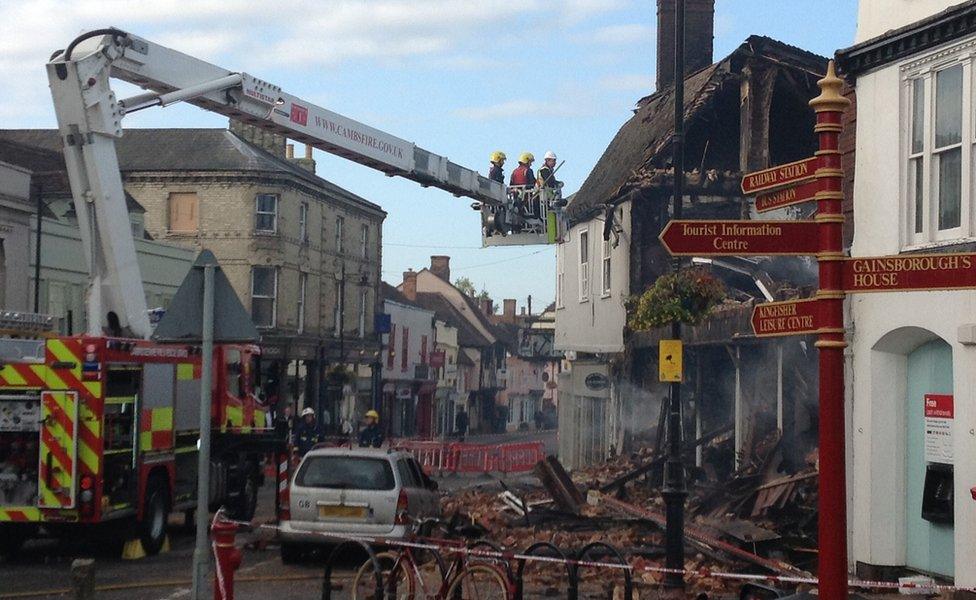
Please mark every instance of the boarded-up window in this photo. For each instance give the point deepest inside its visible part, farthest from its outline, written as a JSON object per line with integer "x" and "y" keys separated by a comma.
{"x": 184, "y": 214}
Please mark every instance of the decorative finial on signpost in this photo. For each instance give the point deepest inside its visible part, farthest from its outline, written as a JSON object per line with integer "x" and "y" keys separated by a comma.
{"x": 830, "y": 97}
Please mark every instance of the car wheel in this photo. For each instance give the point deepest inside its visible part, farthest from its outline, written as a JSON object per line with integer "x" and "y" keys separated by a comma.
{"x": 291, "y": 553}
{"x": 152, "y": 528}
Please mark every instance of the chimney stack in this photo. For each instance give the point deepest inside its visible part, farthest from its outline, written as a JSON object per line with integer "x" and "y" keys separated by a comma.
{"x": 410, "y": 285}
{"x": 699, "y": 32}
{"x": 441, "y": 266}
{"x": 270, "y": 142}
{"x": 486, "y": 307}
{"x": 307, "y": 163}
{"x": 290, "y": 151}
{"x": 508, "y": 310}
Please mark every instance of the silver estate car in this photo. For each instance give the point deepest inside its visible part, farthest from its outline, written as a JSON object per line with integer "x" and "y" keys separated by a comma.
{"x": 354, "y": 491}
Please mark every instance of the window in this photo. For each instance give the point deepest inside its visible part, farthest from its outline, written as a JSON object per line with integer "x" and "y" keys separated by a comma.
{"x": 423, "y": 349}
{"x": 363, "y": 300}
{"x": 302, "y": 287}
{"x": 584, "y": 266}
{"x": 337, "y": 313}
{"x": 939, "y": 150}
{"x": 390, "y": 352}
{"x": 184, "y": 212}
{"x": 303, "y": 222}
{"x": 266, "y": 213}
{"x": 365, "y": 241}
{"x": 264, "y": 293}
{"x": 346, "y": 473}
{"x": 560, "y": 274}
{"x": 405, "y": 349}
{"x": 606, "y": 268}
{"x": 338, "y": 234}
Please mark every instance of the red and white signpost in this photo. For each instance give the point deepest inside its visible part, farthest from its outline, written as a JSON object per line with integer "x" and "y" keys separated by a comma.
{"x": 819, "y": 178}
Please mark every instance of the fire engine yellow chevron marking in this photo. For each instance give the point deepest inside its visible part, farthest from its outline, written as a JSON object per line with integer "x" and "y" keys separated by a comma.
{"x": 184, "y": 371}
{"x": 10, "y": 375}
{"x": 50, "y": 378}
{"x": 64, "y": 354}
{"x": 23, "y": 513}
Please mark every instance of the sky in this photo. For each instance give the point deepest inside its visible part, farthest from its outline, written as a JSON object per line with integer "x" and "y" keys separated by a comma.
{"x": 457, "y": 77}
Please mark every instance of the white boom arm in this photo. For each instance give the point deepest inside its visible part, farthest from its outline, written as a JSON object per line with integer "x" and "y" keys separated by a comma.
{"x": 90, "y": 120}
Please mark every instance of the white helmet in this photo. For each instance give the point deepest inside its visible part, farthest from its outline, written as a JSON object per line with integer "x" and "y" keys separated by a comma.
{"x": 308, "y": 411}
{"x": 550, "y": 154}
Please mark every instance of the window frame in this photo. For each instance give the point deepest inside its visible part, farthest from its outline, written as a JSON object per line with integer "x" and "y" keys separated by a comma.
{"x": 583, "y": 254}
{"x": 363, "y": 300}
{"x": 926, "y": 69}
{"x": 303, "y": 223}
{"x": 258, "y": 213}
{"x": 300, "y": 309}
{"x": 606, "y": 280}
{"x": 364, "y": 240}
{"x": 273, "y": 297}
{"x": 182, "y": 195}
{"x": 340, "y": 225}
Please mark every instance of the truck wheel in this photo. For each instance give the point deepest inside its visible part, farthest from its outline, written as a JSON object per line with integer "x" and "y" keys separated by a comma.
{"x": 247, "y": 502}
{"x": 152, "y": 528}
{"x": 291, "y": 553}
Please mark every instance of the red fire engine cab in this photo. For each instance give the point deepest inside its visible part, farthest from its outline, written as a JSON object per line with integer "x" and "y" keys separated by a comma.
{"x": 101, "y": 429}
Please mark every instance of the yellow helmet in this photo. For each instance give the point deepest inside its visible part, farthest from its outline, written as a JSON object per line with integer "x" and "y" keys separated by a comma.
{"x": 373, "y": 413}
{"x": 497, "y": 156}
{"x": 526, "y": 157}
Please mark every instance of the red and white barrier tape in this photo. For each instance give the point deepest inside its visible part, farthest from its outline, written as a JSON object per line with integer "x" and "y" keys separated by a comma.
{"x": 440, "y": 546}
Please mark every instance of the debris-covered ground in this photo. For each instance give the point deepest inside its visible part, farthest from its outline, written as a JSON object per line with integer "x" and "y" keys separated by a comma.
{"x": 760, "y": 519}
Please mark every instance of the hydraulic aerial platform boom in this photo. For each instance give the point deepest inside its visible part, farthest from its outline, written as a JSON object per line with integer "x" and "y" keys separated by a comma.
{"x": 90, "y": 120}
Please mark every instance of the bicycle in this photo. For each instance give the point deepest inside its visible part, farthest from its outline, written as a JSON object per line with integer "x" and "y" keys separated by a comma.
{"x": 410, "y": 574}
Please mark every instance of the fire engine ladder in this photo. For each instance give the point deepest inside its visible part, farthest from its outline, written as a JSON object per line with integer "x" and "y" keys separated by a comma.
{"x": 90, "y": 120}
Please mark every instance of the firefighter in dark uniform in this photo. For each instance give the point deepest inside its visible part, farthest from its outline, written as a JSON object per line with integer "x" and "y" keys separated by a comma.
{"x": 308, "y": 433}
{"x": 496, "y": 172}
{"x": 371, "y": 436}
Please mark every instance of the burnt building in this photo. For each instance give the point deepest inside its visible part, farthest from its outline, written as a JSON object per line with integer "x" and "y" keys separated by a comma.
{"x": 745, "y": 112}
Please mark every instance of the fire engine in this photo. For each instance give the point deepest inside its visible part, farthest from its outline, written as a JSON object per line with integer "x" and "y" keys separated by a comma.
{"x": 96, "y": 429}
{"x": 100, "y": 427}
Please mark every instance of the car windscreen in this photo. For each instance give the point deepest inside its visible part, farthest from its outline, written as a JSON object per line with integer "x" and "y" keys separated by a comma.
{"x": 346, "y": 472}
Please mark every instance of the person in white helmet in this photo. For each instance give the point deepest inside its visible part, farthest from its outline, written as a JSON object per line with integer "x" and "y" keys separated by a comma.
{"x": 547, "y": 174}
{"x": 308, "y": 433}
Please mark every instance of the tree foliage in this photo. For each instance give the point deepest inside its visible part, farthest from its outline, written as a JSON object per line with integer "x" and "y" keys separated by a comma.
{"x": 466, "y": 286}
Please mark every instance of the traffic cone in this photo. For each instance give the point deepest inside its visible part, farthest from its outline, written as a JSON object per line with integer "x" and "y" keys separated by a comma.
{"x": 133, "y": 550}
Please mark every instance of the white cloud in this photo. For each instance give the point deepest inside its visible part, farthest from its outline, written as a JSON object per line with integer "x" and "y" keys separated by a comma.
{"x": 629, "y": 33}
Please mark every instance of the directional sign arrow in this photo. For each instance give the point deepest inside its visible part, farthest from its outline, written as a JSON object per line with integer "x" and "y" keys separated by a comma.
{"x": 792, "y": 317}
{"x": 779, "y": 176}
{"x": 740, "y": 238}
{"x": 795, "y": 194}
{"x": 910, "y": 272}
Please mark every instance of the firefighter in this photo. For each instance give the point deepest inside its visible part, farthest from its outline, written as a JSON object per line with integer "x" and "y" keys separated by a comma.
{"x": 522, "y": 175}
{"x": 308, "y": 433}
{"x": 496, "y": 172}
{"x": 547, "y": 176}
{"x": 371, "y": 435}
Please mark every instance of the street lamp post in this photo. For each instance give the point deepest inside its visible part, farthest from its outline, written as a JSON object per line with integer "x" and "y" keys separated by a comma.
{"x": 674, "y": 492}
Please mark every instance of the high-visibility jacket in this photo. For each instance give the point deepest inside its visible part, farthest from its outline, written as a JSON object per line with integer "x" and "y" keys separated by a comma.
{"x": 522, "y": 175}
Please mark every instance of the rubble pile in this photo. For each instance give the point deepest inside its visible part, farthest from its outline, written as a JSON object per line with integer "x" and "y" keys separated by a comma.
{"x": 760, "y": 519}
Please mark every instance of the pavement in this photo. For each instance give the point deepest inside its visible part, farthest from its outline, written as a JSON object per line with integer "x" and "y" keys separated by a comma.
{"x": 42, "y": 568}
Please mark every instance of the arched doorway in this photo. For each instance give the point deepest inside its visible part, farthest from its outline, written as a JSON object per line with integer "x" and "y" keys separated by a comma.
{"x": 930, "y": 545}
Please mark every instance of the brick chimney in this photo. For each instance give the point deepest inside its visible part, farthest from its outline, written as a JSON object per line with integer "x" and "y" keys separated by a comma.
{"x": 271, "y": 142}
{"x": 485, "y": 304}
{"x": 441, "y": 266}
{"x": 508, "y": 310}
{"x": 699, "y": 32}
{"x": 409, "y": 285}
